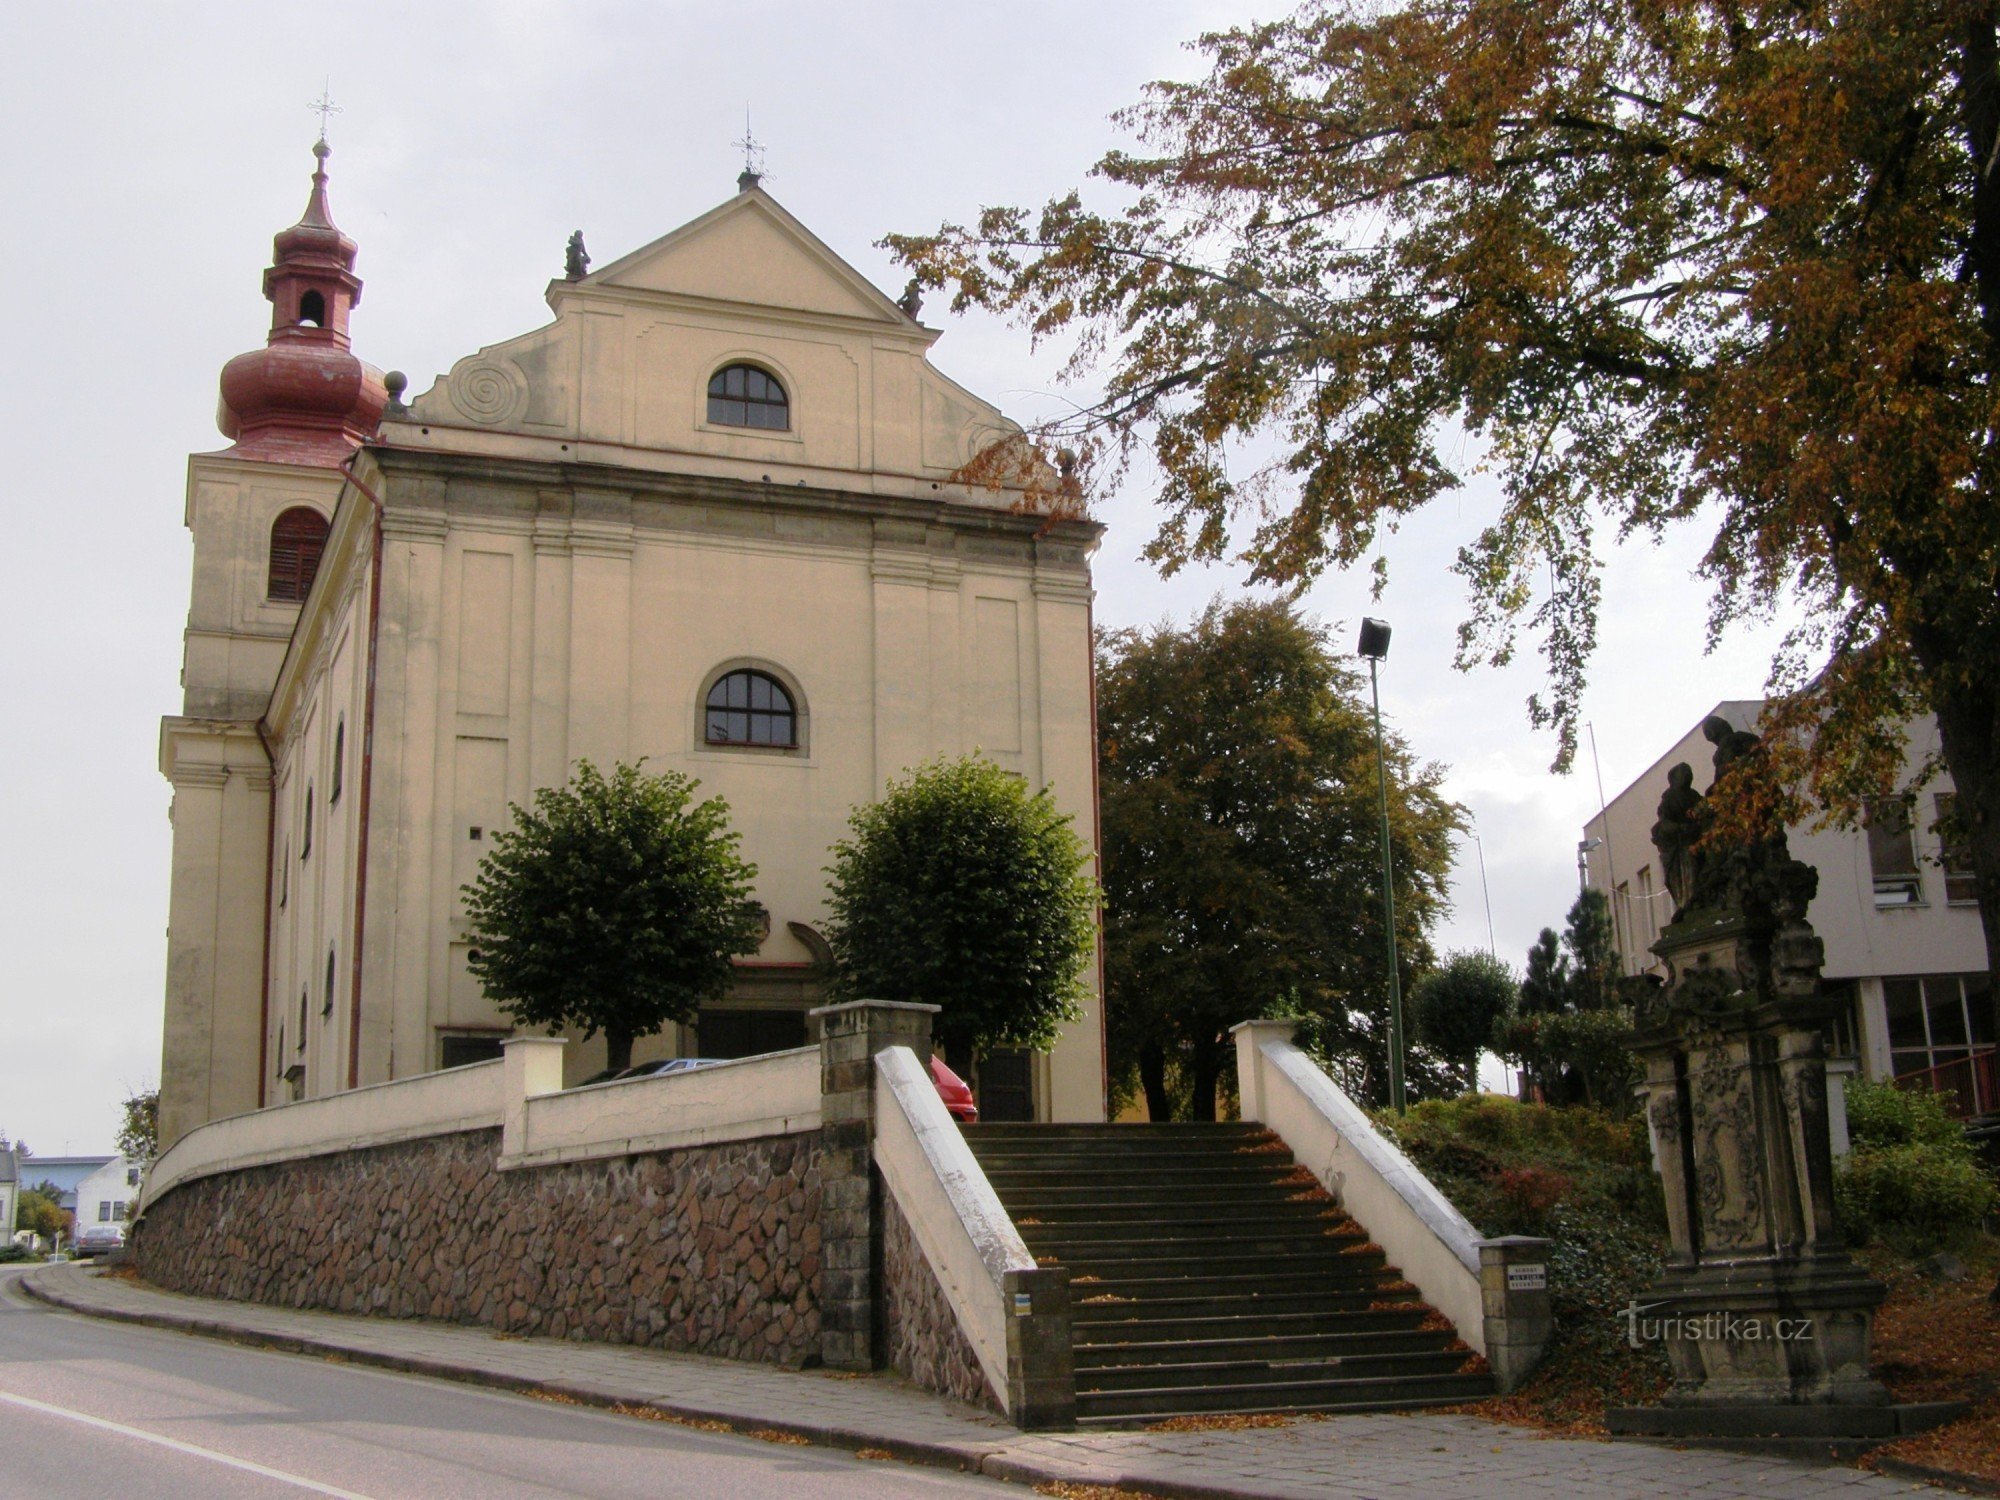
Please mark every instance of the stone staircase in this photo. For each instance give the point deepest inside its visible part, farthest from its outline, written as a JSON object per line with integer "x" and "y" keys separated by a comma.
{"x": 1211, "y": 1274}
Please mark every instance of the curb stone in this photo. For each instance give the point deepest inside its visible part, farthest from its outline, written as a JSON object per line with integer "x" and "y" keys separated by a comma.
{"x": 967, "y": 1458}
{"x": 1965, "y": 1484}
{"x": 995, "y": 1461}
{"x": 1365, "y": 1458}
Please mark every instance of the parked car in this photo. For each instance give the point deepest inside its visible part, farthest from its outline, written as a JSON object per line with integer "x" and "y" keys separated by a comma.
{"x": 99, "y": 1239}
{"x": 667, "y": 1065}
{"x": 957, "y": 1096}
{"x": 958, "y": 1100}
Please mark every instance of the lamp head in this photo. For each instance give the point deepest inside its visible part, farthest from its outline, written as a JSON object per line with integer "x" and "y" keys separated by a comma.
{"x": 1374, "y": 639}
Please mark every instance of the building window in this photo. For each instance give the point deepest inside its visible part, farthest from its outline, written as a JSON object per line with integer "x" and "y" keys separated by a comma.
{"x": 305, "y": 999}
{"x": 306, "y": 827}
{"x": 1954, "y": 851}
{"x": 104, "y": 1213}
{"x": 339, "y": 760}
{"x": 1936, "y": 1026}
{"x": 297, "y": 539}
{"x": 744, "y": 396}
{"x": 326, "y": 1009}
{"x": 131, "y": 1177}
{"x": 458, "y": 1049}
{"x": 312, "y": 309}
{"x": 119, "y": 1210}
{"x": 751, "y": 708}
{"x": 1892, "y": 853}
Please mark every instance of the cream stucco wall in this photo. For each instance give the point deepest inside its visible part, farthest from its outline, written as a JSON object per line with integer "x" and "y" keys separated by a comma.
{"x": 570, "y": 554}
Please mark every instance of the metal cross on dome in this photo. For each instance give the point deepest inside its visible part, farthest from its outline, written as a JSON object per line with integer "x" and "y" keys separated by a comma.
{"x": 324, "y": 107}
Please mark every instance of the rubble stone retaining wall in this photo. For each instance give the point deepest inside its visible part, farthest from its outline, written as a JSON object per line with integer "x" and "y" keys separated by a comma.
{"x": 711, "y": 1249}
{"x": 921, "y": 1334}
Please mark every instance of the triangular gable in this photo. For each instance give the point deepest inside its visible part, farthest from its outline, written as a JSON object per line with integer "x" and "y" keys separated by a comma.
{"x": 749, "y": 250}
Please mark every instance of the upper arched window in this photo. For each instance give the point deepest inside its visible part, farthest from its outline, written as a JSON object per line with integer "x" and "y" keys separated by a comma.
{"x": 312, "y": 309}
{"x": 744, "y": 396}
{"x": 751, "y": 708}
{"x": 297, "y": 539}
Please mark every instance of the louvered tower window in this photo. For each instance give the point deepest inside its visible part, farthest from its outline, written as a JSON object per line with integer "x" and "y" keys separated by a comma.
{"x": 297, "y": 539}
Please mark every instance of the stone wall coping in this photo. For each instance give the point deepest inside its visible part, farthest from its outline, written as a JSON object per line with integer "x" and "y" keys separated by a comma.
{"x": 777, "y": 1093}
{"x": 1333, "y": 1138}
{"x": 846, "y": 1006}
{"x": 381, "y": 1114}
{"x": 952, "y": 1210}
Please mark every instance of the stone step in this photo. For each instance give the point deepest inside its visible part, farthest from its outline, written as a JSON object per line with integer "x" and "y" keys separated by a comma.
{"x": 1190, "y": 1215}
{"x": 1225, "y": 1269}
{"x": 1135, "y": 1131}
{"x": 1406, "y": 1392}
{"x": 1147, "y": 1301}
{"x": 1070, "y": 1172}
{"x": 1027, "y": 1198}
{"x": 1276, "y": 1370}
{"x": 1161, "y": 1241}
{"x": 1226, "y": 1283}
{"x": 1267, "y": 1342}
{"x": 1147, "y": 1325}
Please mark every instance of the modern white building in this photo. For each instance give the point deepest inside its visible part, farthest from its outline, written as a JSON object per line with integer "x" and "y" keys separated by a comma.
{"x": 1896, "y": 909}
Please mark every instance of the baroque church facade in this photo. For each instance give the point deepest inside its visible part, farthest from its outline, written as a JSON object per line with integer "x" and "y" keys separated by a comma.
{"x": 711, "y": 515}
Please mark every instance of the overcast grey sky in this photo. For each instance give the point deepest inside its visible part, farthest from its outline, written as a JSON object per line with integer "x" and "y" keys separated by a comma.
{"x": 152, "y": 150}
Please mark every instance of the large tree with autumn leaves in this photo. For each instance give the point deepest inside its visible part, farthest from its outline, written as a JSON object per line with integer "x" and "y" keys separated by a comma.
{"x": 1727, "y": 265}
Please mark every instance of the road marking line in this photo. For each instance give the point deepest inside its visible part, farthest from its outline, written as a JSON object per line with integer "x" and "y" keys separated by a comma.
{"x": 178, "y": 1446}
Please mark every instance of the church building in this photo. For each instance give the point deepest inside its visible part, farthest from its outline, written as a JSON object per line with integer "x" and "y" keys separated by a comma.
{"x": 715, "y": 514}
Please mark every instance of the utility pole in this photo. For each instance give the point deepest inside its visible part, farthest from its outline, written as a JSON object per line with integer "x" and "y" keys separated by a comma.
{"x": 1375, "y": 646}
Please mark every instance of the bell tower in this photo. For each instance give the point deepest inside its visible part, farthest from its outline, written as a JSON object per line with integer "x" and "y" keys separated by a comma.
{"x": 260, "y": 512}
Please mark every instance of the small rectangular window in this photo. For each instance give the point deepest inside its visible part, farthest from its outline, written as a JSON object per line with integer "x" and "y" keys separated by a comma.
{"x": 1892, "y": 853}
{"x": 119, "y": 1210}
{"x": 104, "y": 1213}
{"x": 1955, "y": 850}
{"x": 456, "y": 1051}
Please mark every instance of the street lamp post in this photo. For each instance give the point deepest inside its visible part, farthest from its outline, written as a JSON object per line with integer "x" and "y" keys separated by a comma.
{"x": 1375, "y": 646}
{"x": 1583, "y": 848}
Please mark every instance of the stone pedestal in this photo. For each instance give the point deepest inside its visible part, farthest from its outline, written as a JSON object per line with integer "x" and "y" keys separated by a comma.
{"x": 850, "y": 1217}
{"x": 1760, "y": 1303}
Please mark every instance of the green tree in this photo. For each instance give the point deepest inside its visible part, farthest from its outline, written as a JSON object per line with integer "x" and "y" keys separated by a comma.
{"x": 1593, "y": 951}
{"x": 1545, "y": 987}
{"x": 1566, "y": 1026}
{"x": 40, "y": 1208}
{"x": 613, "y": 904}
{"x": 139, "y": 1130}
{"x": 1241, "y": 864}
{"x": 961, "y": 888}
{"x": 1455, "y": 1007}
{"x": 1669, "y": 262}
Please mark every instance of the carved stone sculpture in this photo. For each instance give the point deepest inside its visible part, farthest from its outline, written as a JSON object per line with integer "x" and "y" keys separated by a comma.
{"x": 1760, "y": 1304}
{"x": 576, "y": 261}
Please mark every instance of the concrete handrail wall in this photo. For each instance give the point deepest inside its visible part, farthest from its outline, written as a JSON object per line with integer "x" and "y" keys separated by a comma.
{"x": 1334, "y": 1139}
{"x": 953, "y": 1212}
{"x": 775, "y": 1094}
{"x": 468, "y": 1098}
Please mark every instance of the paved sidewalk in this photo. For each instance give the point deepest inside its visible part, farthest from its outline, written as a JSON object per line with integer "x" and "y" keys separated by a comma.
{"x": 1385, "y": 1457}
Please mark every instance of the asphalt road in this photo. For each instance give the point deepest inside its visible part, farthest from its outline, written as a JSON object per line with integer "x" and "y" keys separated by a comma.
{"x": 96, "y": 1408}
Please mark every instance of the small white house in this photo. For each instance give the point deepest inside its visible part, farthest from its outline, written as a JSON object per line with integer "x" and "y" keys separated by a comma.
{"x": 10, "y": 1193}
{"x": 106, "y": 1196}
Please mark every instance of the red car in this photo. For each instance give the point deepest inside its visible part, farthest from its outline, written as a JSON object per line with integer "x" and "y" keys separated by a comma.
{"x": 958, "y": 1100}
